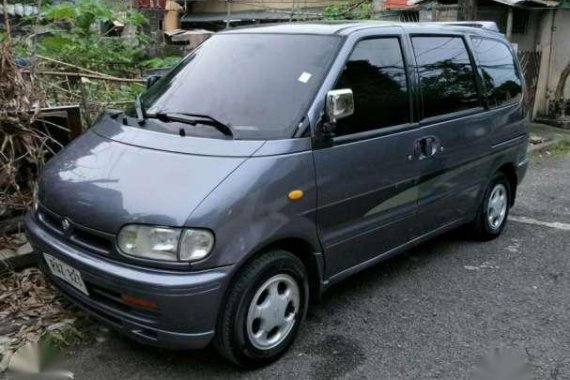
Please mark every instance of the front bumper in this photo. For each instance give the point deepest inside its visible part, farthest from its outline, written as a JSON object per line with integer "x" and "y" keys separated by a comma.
{"x": 187, "y": 302}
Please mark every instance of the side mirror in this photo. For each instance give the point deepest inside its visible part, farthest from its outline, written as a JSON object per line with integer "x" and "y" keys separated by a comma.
{"x": 340, "y": 104}
{"x": 152, "y": 79}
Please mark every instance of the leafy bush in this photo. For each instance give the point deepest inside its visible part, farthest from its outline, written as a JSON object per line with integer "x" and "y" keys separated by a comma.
{"x": 162, "y": 62}
{"x": 361, "y": 10}
{"x": 76, "y": 37}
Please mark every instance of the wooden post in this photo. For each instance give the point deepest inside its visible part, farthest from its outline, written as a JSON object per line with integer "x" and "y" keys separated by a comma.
{"x": 540, "y": 102}
{"x": 7, "y": 21}
{"x": 510, "y": 24}
{"x": 292, "y": 11}
{"x": 171, "y": 19}
{"x": 229, "y": 13}
{"x": 467, "y": 10}
{"x": 84, "y": 103}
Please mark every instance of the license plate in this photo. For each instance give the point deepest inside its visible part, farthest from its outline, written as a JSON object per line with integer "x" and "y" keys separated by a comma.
{"x": 67, "y": 273}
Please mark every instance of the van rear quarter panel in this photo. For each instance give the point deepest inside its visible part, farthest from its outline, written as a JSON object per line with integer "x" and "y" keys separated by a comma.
{"x": 508, "y": 124}
{"x": 509, "y": 139}
{"x": 251, "y": 208}
{"x": 510, "y": 128}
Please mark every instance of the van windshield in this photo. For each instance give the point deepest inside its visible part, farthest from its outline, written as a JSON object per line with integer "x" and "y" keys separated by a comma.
{"x": 258, "y": 84}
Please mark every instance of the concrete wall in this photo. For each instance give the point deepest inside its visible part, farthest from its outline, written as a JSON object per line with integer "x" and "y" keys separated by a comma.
{"x": 212, "y": 6}
{"x": 526, "y": 41}
{"x": 560, "y": 55}
{"x": 441, "y": 12}
{"x": 554, "y": 42}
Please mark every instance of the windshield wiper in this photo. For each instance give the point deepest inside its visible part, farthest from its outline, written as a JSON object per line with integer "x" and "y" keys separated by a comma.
{"x": 141, "y": 113}
{"x": 194, "y": 119}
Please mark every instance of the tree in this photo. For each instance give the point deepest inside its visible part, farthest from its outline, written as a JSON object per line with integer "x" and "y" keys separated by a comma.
{"x": 76, "y": 37}
{"x": 361, "y": 10}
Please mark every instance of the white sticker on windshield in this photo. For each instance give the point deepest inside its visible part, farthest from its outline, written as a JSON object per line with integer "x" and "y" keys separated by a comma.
{"x": 304, "y": 78}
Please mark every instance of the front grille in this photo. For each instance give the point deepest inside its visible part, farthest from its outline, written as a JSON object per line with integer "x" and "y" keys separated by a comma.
{"x": 93, "y": 240}
{"x": 51, "y": 220}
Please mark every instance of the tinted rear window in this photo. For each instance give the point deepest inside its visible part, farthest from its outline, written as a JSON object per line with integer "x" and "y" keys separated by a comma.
{"x": 447, "y": 78}
{"x": 501, "y": 80}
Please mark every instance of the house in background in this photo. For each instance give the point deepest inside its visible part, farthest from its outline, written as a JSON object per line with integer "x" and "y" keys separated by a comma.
{"x": 216, "y": 14}
{"x": 189, "y": 22}
{"x": 154, "y": 11}
{"x": 539, "y": 31}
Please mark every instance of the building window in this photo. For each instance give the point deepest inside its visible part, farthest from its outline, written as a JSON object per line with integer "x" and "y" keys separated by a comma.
{"x": 520, "y": 21}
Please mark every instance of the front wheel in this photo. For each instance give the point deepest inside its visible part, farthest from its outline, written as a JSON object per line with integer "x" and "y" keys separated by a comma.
{"x": 494, "y": 209}
{"x": 263, "y": 310}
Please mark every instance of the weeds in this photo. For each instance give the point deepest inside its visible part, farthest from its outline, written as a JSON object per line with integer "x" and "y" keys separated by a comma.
{"x": 557, "y": 149}
{"x": 23, "y": 148}
{"x": 561, "y": 148}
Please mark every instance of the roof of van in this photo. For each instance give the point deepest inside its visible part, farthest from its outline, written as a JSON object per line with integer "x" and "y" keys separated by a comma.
{"x": 348, "y": 27}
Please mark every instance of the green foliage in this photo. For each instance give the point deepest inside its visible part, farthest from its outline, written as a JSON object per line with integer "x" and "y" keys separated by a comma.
{"x": 361, "y": 10}
{"x": 561, "y": 148}
{"x": 61, "y": 12}
{"x": 108, "y": 55}
{"x": 162, "y": 62}
{"x": 84, "y": 14}
{"x": 84, "y": 34}
{"x": 123, "y": 93}
{"x": 76, "y": 37}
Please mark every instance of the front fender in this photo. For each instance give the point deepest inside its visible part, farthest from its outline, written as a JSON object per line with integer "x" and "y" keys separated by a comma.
{"x": 251, "y": 208}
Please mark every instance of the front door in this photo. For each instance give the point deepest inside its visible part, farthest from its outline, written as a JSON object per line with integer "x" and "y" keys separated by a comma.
{"x": 366, "y": 176}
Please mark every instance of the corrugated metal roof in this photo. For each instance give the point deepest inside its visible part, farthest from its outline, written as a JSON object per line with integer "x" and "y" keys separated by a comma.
{"x": 512, "y": 3}
{"x": 522, "y": 3}
{"x": 20, "y": 10}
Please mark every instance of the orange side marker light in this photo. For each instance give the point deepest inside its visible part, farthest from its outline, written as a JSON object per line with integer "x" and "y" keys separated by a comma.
{"x": 295, "y": 195}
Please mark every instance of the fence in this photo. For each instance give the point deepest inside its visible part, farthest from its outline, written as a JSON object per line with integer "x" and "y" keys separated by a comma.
{"x": 530, "y": 65}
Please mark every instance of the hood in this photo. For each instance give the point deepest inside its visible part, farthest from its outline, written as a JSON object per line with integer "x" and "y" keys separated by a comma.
{"x": 114, "y": 175}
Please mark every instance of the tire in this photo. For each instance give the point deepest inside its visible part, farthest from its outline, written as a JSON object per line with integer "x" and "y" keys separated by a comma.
{"x": 276, "y": 278}
{"x": 491, "y": 219}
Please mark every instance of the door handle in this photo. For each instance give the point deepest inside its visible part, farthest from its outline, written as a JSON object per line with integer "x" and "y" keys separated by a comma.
{"x": 426, "y": 147}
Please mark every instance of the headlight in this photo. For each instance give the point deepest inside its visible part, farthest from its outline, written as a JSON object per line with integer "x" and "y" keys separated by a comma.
{"x": 165, "y": 243}
{"x": 195, "y": 245}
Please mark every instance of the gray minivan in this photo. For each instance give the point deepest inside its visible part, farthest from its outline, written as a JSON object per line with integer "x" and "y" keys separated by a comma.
{"x": 273, "y": 162}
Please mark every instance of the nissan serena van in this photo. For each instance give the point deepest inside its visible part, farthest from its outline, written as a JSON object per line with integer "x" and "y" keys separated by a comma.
{"x": 273, "y": 162}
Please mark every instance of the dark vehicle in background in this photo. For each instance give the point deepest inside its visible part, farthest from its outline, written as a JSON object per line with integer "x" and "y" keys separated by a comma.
{"x": 272, "y": 163}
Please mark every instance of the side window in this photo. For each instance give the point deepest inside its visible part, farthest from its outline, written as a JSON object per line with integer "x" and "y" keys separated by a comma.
{"x": 501, "y": 79}
{"x": 376, "y": 75}
{"x": 447, "y": 79}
